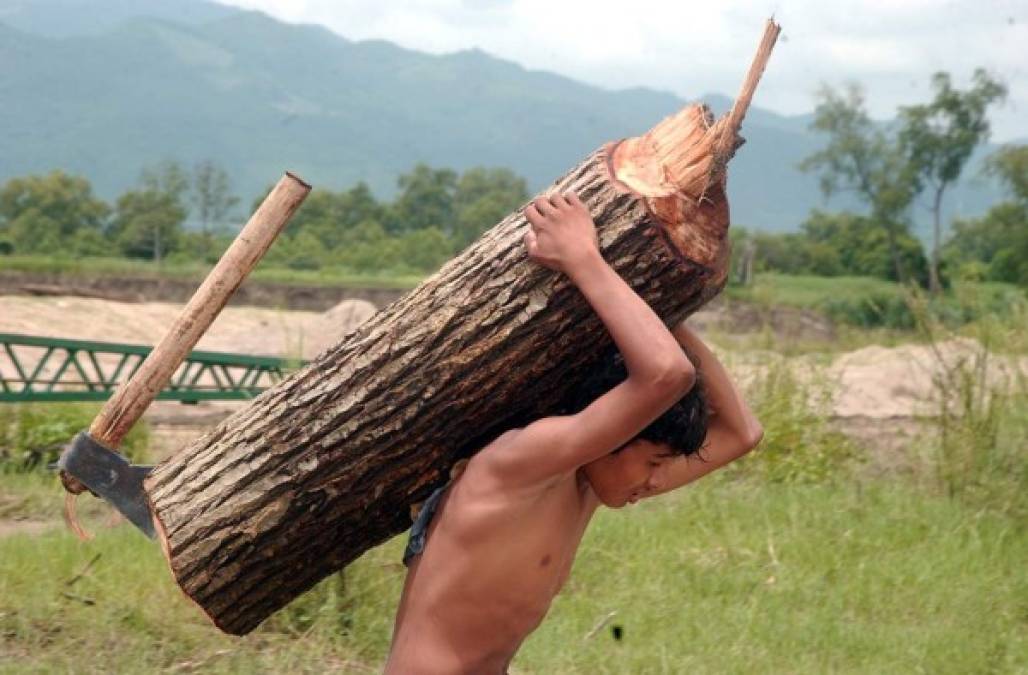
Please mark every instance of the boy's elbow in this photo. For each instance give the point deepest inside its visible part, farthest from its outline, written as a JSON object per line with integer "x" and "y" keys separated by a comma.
{"x": 676, "y": 375}
{"x": 753, "y": 436}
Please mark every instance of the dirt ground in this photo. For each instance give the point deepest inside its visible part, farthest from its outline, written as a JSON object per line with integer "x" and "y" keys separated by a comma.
{"x": 242, "y": 330}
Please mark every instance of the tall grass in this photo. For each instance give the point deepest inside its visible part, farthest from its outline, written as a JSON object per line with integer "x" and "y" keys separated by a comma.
{"x": 981, "y": 413}
{"x": 799, "y": 444}
{"x": 728, "y": 576}
{"x": 33, "y": 435}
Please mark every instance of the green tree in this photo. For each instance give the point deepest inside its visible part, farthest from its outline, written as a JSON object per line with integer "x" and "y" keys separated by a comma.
{"x": 425, "y": 250}
{"x": 861, "y": 158}
{"x": 855, "y": 245}
{"x": 426, "y": 199}
{"x": 368, "y": 248}
{"x": 995, "y": 247}
{"x": 46, "y": 213}
{"x": 331, "y": 218}
{"x": 148, "y": 220}
{"x": 938, "y": 138}
{"x": 1010, "y": 165}
{"x": 212, "y": 200}
{"x": 484, "y": 197}
{"x": 329, "y": 215}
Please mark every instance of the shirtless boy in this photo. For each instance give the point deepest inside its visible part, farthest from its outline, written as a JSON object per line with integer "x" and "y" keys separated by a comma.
{"x": 504, "y": 533}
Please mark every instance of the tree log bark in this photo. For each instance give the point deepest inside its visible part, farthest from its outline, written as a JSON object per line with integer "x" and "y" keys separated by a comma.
{"x": 326, "y": 464}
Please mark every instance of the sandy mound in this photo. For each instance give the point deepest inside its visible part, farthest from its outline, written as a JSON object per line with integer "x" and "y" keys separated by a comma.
{"x": 241, "y": 330}
{"x": 905, "y": 381}
{"x": 878, "y": 382}
{"x": 335, "y": 324}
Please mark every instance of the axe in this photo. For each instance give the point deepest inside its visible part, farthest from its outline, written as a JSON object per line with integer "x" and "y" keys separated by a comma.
{"x": 92, "y": 461}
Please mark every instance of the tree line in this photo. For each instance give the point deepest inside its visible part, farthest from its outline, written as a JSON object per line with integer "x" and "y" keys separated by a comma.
{"x": 889, "y": 168}
{"x": 435, "y": 213}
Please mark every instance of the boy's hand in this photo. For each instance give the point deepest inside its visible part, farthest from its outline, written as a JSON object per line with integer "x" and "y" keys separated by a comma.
{"x": 561, "y": 234}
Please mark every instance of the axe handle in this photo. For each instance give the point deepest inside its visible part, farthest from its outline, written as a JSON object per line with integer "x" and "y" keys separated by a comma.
{"x": 131, "y": 400}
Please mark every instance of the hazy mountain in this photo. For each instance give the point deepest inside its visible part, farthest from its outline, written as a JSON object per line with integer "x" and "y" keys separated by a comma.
{"x": 105, "y": 87}
{"x": 61, "y": 18}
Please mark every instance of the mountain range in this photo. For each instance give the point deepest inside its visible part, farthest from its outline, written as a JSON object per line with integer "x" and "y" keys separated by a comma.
{"x": 103, "y": 88}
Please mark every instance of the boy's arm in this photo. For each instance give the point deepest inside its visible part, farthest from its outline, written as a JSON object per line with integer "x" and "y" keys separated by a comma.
{"x": 732, "y": 430}
{"x": 562, "y": 237}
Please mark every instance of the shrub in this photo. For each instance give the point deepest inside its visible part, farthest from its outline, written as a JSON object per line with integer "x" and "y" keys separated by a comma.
{"x": 982, "y": 412}
{"x": 33, "y": 435}
{"x": 798, "y": 445}
{"x": 874, "y": 310}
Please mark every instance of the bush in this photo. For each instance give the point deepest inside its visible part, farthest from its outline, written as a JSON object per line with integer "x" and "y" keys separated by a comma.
{"x": 33, "y": 435}
{"x": 798, "y": 445}
{"x": 982, "y": 411}
{"x": 875, "y": 310}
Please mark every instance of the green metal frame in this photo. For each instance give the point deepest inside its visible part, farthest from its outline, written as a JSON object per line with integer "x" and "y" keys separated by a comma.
{"x": 80, "y": 377}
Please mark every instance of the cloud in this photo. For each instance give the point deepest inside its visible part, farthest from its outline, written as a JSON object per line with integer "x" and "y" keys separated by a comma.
{"x": 891, "y": 47}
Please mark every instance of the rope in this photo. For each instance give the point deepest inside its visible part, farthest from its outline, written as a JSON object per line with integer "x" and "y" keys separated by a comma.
{"x": 74, "y": 488}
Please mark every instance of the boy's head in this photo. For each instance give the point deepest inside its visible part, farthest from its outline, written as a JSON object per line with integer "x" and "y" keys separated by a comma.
{"x": 632, "y": 471}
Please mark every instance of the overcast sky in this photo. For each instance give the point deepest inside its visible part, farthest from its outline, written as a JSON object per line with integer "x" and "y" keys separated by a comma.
{"x": 690, "y": 48}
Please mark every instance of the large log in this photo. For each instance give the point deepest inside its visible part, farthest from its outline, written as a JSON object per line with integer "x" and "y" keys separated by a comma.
{"x": 326, "y": 464}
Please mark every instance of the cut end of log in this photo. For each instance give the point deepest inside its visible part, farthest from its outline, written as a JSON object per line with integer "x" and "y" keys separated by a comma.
{"x": 688, "y": 151}
{"x": 679, "y": 166}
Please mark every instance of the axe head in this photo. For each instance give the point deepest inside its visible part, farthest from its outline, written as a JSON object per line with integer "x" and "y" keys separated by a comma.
{"x": 111, "y": 477}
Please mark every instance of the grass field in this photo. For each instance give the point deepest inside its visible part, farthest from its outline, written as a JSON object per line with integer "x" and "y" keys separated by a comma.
{"x": 731, "y": 576}
{"x": 100, "y": 267}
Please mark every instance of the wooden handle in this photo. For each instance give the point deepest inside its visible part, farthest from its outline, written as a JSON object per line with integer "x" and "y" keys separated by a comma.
{"x": 131, "y": 400}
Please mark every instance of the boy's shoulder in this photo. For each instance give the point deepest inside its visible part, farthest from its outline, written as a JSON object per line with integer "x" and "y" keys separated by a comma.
{"x": 502, "y": 463}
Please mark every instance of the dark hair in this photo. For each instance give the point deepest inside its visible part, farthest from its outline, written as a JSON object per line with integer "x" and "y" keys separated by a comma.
{"x": 683, "y": 426}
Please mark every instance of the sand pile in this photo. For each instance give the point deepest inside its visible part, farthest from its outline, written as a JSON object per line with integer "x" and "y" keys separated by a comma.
{"x": 242, "y": 330}
{"x": 905, "y": 381}
{"x": 335, "y": 324}
{"x": 878, "y": 382}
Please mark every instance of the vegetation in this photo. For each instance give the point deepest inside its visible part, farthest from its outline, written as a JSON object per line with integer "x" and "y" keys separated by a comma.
{"x": 887, "y": 169}
{"x": 867, "y": 302}
{"x": 435, "y": 214}
{"x": 937, "y": 139}
{"x": 32, "y": 436}
{"x": 995, "y": 247}
{"x": 861, "y": 158}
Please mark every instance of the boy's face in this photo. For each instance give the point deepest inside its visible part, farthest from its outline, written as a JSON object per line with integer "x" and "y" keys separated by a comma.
{"x": 628, "y": 475}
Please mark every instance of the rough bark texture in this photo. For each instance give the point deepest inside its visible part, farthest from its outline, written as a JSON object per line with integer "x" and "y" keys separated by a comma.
{"x": 327, "y": 464}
